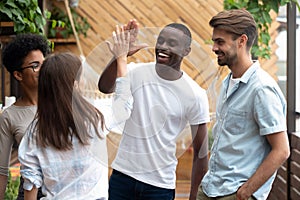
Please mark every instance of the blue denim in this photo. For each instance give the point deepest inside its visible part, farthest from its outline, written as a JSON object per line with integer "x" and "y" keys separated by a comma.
{"x": 123, "y": 187}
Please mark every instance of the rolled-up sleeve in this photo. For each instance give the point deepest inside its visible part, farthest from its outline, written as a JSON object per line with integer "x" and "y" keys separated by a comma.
{"x": 30, "y": 169}
{"x": 270, "y": 111}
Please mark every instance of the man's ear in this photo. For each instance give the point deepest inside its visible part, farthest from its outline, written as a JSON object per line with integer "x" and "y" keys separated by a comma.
{"x": 18, "y": 75}
{"x": 187, "y": 51}
{"x": 243, "y": 39}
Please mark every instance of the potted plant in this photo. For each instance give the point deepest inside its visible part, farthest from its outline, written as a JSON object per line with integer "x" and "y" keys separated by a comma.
{"x": 26, "y": 15}
{"x": 64, "y": 29}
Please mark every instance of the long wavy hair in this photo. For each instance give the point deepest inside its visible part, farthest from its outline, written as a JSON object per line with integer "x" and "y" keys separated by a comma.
{"x": 62, "y": 112}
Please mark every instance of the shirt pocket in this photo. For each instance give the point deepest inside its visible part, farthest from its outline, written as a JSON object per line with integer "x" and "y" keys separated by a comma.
{"x": 235, "y": 121}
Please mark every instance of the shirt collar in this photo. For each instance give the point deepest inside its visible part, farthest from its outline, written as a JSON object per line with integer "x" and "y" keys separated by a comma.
{"x": 246, "y": 76}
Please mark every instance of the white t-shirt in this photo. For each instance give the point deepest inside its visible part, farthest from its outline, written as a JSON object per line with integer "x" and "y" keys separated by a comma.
{"x": 161, "y": 110}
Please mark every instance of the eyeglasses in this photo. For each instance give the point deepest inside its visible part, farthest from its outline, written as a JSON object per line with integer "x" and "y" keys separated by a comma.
{"x": 35, "y": 67}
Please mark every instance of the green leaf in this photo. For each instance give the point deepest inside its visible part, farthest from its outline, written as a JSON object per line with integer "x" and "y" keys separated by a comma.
{"x": 23, "y": 1}
{"x": 274, "y": 5}
{"x": 265, "y": 38}
{"x": 7, "y": 12}
{"x": 53, "y": 24}
{"x": 11, "y": 4}
{"x": 254, "y": 10}
{"x": 47, "y": 14}
{"x": 267, "y": 18}
{"x": 32, "y": 15}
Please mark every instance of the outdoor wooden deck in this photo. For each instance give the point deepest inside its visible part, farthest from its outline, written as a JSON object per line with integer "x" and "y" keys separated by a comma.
{"x": 182, "y": 190}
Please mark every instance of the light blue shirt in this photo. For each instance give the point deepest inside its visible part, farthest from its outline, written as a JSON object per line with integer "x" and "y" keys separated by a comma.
{"x": 254, "y": 108}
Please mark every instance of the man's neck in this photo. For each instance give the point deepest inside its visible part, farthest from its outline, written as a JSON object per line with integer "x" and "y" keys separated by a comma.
{"x": 240, "y": 68}
{"x": 168, "y": 73}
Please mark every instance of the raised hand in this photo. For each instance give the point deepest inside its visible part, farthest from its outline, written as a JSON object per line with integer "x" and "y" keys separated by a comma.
{"x": 133, "y": 28}
{"x": 120, "y": 46}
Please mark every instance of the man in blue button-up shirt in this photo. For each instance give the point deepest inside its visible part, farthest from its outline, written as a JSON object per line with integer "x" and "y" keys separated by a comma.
{"x": 250, "y": 139}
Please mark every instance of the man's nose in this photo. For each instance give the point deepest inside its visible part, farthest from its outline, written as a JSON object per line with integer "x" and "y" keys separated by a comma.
{"x": 214, "y": 47}
{"x": 163, "y": 46}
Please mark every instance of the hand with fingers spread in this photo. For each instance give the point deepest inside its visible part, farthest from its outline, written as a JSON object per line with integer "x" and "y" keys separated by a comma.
{"x": 133, "y": 28}
{"x": 120, "y": 49}
{"x": 120, "y": 46}
{"x": 106, "y": 83}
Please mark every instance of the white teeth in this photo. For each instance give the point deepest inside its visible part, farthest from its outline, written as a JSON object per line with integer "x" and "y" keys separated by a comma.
{"x": 163, "y": 55}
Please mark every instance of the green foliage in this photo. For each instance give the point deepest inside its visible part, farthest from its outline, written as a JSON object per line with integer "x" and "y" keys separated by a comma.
{"x": 12, "y": 188}
{"x": 26, "y": 15}
{"x": 61, "y": 21}
{"x": 260, "y": 9}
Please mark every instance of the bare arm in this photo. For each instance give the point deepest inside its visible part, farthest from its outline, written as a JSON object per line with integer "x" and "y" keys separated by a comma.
{"x": 117, "y": 66}
{"x": 107, "y": 80}
{"x": 31, "y": 194}
{"x": 3, "y": 183}
{"x": 200, "y": 158}
{"x": 278, "y": 155}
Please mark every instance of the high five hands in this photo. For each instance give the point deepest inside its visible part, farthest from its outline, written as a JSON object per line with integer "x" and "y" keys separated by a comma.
{"x": 131, "y": 29}
{"x": 121, "y": 39}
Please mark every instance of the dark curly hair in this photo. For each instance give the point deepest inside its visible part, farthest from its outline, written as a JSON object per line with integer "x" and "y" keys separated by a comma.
{"x": 14, "y": 53}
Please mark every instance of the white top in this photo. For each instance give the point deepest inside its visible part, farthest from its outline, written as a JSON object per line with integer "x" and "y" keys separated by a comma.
{"x": 160, "y": 111}
{"x": 80, "y": 173}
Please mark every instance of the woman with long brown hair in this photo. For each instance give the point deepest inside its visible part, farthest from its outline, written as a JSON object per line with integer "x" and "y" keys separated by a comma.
{"x": 64, "y": 149}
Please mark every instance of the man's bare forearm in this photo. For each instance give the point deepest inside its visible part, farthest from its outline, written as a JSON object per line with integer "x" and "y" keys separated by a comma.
{"x": 107, "y": 80}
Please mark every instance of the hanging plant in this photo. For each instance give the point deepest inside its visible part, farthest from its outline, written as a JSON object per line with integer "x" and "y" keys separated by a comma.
{"x": 260, "y": 9}
{"x": 64, "y": 28}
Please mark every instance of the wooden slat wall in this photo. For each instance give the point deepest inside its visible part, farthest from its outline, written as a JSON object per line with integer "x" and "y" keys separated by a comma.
{"x": 289, "y": 180}
{"x": 279, "y": 189}
{"x": 295, "y": 167}
{"x": 201, "y": 65}
{"x": 103, "y": 15}
{"x": 152, "y": 15}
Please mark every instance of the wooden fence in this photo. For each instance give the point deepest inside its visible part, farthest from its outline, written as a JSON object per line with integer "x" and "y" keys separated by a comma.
{"x": 287, "y": 183}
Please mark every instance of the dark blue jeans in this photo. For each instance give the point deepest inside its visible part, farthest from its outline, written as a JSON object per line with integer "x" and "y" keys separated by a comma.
{"x": 123, "y": 187}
